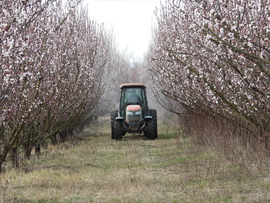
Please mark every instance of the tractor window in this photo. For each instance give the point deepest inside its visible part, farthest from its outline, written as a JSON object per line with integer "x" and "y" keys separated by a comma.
{"x": 132, "y": 96}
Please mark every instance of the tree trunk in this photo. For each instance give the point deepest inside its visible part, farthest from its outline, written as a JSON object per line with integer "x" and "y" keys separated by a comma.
{"x": 14, "y": 157}
{"x": 27, "y": 151}
{"x": 38, "y": 150}
{"x": 53, "y": 139}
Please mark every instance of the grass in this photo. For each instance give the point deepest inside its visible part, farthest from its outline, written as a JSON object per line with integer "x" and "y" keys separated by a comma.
{"x": 98, "y": 169}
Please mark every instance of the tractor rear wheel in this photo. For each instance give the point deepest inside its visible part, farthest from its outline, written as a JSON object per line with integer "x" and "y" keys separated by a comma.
{"x": 113, "y": 116}
{"x": 151, "y": 126}
{"x": 118, "y": 130}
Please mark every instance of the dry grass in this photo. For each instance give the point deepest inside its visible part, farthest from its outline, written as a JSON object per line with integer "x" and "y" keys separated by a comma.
{"x": 98, "y": 169}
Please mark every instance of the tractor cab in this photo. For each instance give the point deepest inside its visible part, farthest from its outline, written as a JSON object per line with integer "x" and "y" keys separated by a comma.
{"x": 132, "y": 95}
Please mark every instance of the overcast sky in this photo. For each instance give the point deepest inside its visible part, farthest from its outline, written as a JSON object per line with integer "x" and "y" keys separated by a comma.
{"x": 131, "y": 21}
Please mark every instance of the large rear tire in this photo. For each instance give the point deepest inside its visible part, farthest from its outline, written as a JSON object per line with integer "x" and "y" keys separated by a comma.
{"x": 113, "y": 116}
{"x": 151, "y": 126}
{"x": 119, "y": 130}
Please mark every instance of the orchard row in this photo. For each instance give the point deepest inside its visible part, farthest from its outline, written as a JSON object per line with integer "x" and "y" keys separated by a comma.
{"x": 55, "y": 65}
{"x": 213, "y": 58}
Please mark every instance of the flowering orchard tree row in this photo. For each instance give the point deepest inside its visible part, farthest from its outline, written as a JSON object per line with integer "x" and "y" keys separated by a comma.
{"x": 52, "y": 65}
{"x": 214, "y": 57}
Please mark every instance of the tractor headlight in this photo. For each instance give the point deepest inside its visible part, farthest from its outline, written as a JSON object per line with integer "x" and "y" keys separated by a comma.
{"x": 135, "y": 113}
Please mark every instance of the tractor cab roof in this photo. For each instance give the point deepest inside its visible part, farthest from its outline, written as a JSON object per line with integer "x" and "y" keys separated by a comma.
{"x": 131, "y": 85}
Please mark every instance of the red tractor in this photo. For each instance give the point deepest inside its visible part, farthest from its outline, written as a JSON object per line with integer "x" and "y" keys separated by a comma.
{"x": 134, "y": 115}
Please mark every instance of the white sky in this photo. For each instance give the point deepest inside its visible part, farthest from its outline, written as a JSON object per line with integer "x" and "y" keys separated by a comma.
{"x": 131, "y": 21}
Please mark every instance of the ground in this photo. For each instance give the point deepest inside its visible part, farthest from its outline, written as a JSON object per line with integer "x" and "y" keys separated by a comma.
{"x": 98, "y": 169}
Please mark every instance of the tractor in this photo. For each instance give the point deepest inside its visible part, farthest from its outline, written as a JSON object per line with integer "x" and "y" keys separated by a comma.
{"x": 133, "y": 115}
